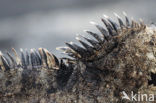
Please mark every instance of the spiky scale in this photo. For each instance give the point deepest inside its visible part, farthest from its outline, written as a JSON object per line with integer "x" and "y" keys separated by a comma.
{"x": 94, "y": 43}
{"x": 76, "y": 48}
{"x": 64, "y": 49}
{"x": 127, "y": 20}
{"x": 27, "y": 58}
{"x": 52, "y": 61}
{"x": 43, "y": 56}
{"x": 119, "y": 20}
{"x": 73, "y": 54}
{"x": 3, "y": 62}
{"x": 18, "y": 60}
{"x": 8, "y": 61}
{"x": 33, "y": 58}
{"x": 109, "y": 28}
{"x": 23, "y": 58}
{"x": 115, "y": 25}
{"x": 38, "y": 58}
{"x": 134, "y": 24}
{"x": 101, "y": 29}
{"x": 67, "y": 51}
{"x": 141, "y": 22}
{"x": 95, "y": 35}
{"x": 88, "y": 47}
{"x": 12, "y": 59}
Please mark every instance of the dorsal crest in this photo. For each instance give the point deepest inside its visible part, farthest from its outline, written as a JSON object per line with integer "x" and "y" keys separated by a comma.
{"x": 111, "y": 36}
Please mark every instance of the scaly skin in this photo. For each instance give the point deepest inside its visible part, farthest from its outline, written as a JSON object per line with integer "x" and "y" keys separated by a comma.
{"x": 123, "y": 58}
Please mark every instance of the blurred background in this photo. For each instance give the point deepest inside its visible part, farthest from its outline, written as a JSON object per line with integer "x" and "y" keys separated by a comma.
{"x": 50, "y": 23}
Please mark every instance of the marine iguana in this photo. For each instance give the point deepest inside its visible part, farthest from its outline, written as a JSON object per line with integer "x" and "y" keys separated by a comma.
{"x": 121, "y": 58}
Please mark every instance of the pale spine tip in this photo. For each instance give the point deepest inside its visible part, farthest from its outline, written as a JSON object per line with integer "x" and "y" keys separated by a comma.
{"x": 1, "y": 53}
{"x": 82, "y": 36}
{"x": 78, "y": 35}
{"x": 62, "y": 48}
{"x": 40, "y": 49}
{"x": 105, "y": 16}
{"x": 64, "y": 52}
{"x": 77, "y": 38}
{"x": 140, "y": 19}
{"x": 31, "y": 50}
{"x": 58, "y": 48}
{"x": 71, "y": 43}
{"x": 124, "y": 13}
{"x": 132, "y": 18}
{"x": 116, "y": 15}
{"x": 93, "y": 23}
{"x": 85, "y": 30}
{"x": 21, "y": 49}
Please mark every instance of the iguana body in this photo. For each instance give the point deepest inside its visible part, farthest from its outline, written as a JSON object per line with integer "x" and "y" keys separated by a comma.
{"x": 121, "y": 58}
